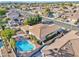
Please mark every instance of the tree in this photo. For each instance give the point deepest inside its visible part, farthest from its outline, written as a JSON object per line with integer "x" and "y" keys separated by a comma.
{"x": 47, "y": 12}
{"x": 6, "y": 19}
{"x": 3, "y": 21}
{"x": 77, "y": 22}
{"x": 2, "y": 11}
{"x": 39, "y": 18}
{"x": 13, "y": 43}
{"x": 70, "y": 4}
{"x": 32, "y": 20}
{"x": 28, "y": 21}
{"x": 3, "y": 27}
{"x": 7, "y": 33}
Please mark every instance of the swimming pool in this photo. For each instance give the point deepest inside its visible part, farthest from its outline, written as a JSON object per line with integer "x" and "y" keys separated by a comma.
{"x": 24, "y": 46}
{"x": 1, "y": 43}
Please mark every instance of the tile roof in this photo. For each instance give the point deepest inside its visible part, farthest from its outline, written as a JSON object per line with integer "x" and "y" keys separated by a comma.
{"x": 75, "y": 46}
{"x": 41, "y": 30}
{"x": 63, "y": 40}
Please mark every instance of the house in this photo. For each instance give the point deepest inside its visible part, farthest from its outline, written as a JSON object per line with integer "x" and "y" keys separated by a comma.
{"x": 66, "y": 46}
{"x": 15, "y": 22}
{"x": 72, "y": 17}
{"x": 40, "y": 30}
{"x": 13, "y": 14}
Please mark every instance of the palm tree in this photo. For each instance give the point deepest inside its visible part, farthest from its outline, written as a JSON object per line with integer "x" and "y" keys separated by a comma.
{"x": 6, "y": 35}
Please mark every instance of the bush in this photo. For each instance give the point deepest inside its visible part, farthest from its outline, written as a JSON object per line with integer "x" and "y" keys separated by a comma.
{"x": 32, "y": 37}
{"x": 6, "y": 19}
{"x": 39, "y": 42}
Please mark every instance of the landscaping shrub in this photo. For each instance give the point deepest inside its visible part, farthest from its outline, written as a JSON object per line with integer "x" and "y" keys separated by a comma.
{"x": 39, "y": 42}
{"x": 32, "y": 37}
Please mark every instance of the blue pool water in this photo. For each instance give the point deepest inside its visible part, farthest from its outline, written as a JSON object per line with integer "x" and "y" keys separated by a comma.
{"x": 24, "y": 45}
{"x": 1, "y": 43}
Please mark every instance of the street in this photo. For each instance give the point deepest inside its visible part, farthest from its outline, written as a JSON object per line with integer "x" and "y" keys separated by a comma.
{"x": 62, "y": 24}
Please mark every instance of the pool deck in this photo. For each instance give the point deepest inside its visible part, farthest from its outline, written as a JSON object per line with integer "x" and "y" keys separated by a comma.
{"x": 4, "y": 51}
{"x": 0, "y": 53}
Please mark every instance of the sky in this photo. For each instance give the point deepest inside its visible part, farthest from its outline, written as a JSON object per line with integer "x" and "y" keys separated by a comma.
{"x": 39, "y": 0}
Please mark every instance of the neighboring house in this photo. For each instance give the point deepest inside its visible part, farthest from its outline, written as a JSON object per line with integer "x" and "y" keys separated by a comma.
{"x": 66, "y": 46}
{"x": 15, "y": 22}
{"x": 72, "y": 17}
{"x": 13, "y": 14}
{"x": 40, "y": 30}
{"x": 12, "y": 23}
